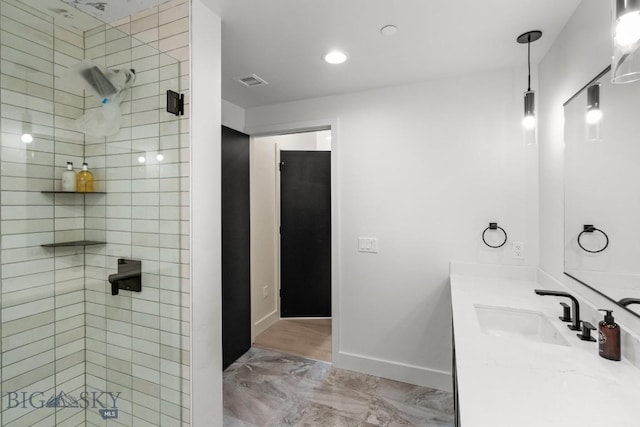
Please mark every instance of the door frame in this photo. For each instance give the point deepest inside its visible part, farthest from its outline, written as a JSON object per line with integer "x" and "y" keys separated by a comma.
{"x": 332, "y": 124}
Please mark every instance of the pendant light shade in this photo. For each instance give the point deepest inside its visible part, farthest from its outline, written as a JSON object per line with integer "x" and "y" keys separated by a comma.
{"x": 626, "y": 40}
{"x": 593, "y": 116}
{"x": 27, "y": 121}
{"x": 27, "y": 132}
{"x": 529, "y": 121}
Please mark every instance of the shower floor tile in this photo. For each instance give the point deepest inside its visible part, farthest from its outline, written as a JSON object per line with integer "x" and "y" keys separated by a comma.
{"x": 267, "y": 388}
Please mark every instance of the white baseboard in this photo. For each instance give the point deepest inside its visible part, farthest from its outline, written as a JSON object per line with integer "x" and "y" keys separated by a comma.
{"x": 305, "y": 318}
{"x": 417, "y": 375}
{"x": 265, "y": 323}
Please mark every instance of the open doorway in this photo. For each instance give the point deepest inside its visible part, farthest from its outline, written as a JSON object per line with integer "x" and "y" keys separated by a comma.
{"x": 291, "y": 243}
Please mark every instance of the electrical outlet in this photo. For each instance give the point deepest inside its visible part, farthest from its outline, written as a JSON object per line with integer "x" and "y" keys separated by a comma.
{"x": 265, "y": 292}
{"x": 518, "y": 250}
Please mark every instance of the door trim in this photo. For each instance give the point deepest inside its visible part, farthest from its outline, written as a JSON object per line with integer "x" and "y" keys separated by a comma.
{"x": 307, "y": 126}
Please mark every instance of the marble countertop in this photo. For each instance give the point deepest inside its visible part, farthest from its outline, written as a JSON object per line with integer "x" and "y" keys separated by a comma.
{"x": 507, "y": 382}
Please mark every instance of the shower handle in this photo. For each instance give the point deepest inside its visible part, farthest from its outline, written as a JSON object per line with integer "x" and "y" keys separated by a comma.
{"x": 128, "y": 277}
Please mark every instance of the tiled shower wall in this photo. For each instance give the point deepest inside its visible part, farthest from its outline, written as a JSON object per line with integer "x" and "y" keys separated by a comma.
{"x": 138, "y": 343}
{"x": 42, "y": 289}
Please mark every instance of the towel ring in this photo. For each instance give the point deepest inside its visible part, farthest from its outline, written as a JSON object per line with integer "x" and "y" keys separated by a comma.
{"x": 588, "y": 228}
{"x": 494, "y": 226}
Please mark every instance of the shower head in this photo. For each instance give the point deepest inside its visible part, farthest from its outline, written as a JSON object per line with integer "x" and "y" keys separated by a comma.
{"x": 98, "y": 81}
{"x": 110, "y": 85}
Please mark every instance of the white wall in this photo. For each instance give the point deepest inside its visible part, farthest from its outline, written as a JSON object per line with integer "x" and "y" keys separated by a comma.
{"x": 206, "y": 240}
{"x": 265, "y": 219}
{"x": 232, "y": 116}
{"x": 424, "y": 168}
{"x": 582, "y": 50}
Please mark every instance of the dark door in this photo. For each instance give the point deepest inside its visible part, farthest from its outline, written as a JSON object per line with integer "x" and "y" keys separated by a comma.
{"x": 236, "y": 273}
{"x": 305, "y": 240}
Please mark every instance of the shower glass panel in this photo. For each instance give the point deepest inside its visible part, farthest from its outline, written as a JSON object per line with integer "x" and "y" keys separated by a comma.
{"x": 71, "y": 352}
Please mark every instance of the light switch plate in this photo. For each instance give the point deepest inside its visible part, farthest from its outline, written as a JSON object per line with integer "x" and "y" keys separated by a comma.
{"x": 368, "y": 245}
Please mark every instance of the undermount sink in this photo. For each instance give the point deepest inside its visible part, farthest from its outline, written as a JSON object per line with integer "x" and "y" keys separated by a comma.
{"x": 518, "y": 324}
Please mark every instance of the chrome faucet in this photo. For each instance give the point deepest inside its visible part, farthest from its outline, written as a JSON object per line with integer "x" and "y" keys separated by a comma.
{"x": 627, "y": 301}
{"x": 575, "y": 326}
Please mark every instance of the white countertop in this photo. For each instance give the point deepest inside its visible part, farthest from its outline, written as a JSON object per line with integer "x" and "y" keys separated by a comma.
{"x": 517, "y": 383}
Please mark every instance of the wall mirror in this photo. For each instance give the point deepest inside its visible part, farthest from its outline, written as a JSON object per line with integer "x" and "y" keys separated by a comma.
{"x": 602, "y": 189}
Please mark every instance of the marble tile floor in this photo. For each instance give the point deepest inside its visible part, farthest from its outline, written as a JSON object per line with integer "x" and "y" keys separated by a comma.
{"x": 267, "y": 388}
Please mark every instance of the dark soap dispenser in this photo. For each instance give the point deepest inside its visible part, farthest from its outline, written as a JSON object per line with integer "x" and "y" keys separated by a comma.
{"x": 609, "y": 337}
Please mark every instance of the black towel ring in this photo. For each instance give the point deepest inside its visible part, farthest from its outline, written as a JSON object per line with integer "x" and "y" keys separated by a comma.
{"x": 588, "y": 228}
{"x": 494, "y": 226}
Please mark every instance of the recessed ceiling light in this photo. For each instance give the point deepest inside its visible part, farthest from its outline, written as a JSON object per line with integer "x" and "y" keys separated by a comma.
{"x": 388, "y": 30}
{"x": 335, "y": 57}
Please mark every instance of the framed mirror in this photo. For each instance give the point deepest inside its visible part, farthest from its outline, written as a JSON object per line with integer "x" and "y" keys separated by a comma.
{"x": 602, "y": 189}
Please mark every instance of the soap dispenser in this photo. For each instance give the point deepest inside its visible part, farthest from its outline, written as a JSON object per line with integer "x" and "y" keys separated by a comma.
{"x": 609, "y": 337}
{"x": 69, "y": 179}
{"x": 84, "y": 180}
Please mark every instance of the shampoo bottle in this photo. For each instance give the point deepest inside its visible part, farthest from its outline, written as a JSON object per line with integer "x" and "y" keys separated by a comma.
{"x": 69, "y": 179}
{"x": 609, "y": 337}
{"x": 84, "y": 180}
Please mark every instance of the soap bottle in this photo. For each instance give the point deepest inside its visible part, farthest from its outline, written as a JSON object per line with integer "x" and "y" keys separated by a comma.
{"x": 69, "y": 179}
{"x": 84, "y": 180}
{"x": 609, "y": 337}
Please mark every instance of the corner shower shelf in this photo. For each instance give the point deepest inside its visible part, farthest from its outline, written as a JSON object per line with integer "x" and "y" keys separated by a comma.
{"x": 75, "y": 243}
{"x": 73, "y": 192}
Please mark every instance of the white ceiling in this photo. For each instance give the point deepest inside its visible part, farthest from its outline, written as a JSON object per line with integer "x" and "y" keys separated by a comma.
{"x": 283, "y": 41}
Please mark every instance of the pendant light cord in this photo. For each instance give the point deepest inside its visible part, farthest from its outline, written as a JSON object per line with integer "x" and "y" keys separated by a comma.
{"x": 529, "y": 63}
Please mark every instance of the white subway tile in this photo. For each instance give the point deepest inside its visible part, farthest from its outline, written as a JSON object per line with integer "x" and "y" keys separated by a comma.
{"x": 174, "y": 27}
{"x": 27, "y": 267}
{"x": 180, "y": 10}
{"x": 144, "y": 226}
{"x": 27, "y": 309}
{"x": 143, "y": 24}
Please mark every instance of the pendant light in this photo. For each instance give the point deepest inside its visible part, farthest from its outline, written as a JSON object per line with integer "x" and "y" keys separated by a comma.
{"x": 27, "y": 121}
{"x": 27, "y": 132}
{"x": 529, "y": 122}
{"x": 593, "y": 116}
{"x": 626, "y": 40}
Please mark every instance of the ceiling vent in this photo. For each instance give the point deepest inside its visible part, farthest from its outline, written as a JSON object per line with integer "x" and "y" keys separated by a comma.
{"x": 251, "y": 81}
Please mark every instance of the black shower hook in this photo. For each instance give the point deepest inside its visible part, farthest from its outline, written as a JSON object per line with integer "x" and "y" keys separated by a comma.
{"x": 494, "y": 226}
{"x": 588, "y": 228}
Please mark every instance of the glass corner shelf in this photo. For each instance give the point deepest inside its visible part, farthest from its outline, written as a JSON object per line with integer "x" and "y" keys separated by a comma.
{"x": 73, "y": 192}
{"x": 74, "y": 243}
